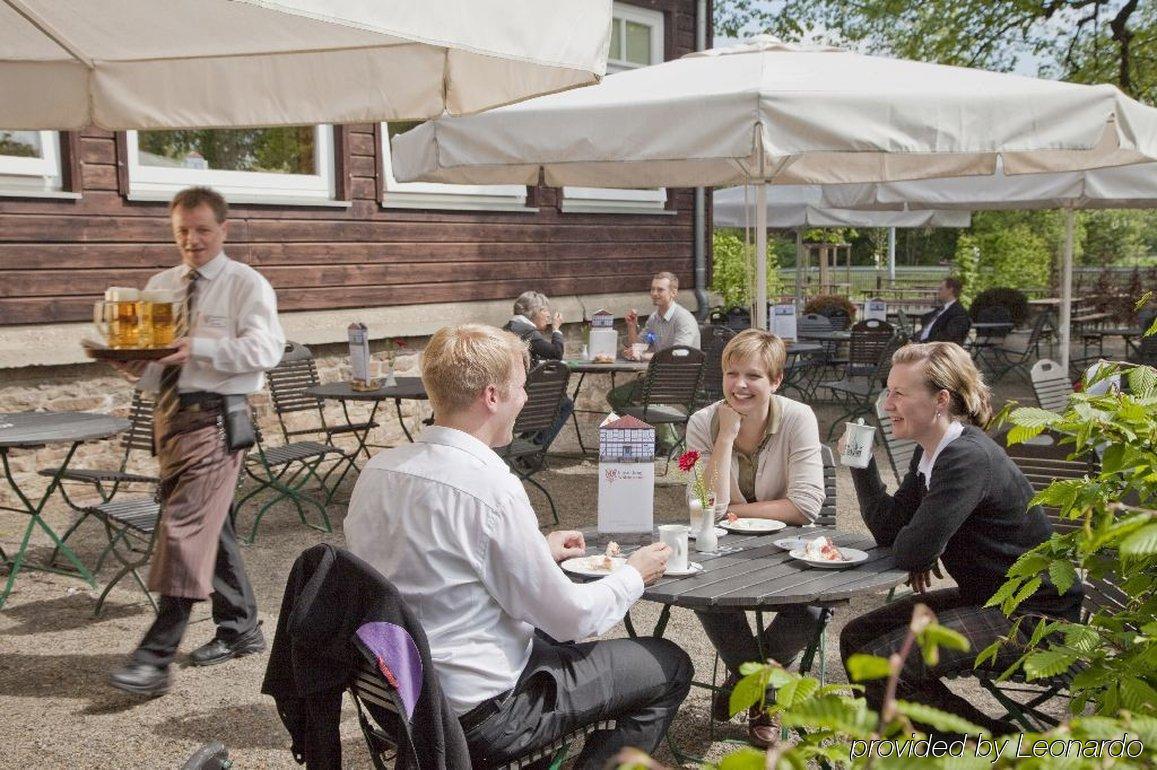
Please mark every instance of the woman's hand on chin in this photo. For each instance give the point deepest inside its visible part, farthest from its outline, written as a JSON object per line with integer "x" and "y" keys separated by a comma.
{"x": 729, "y": 421}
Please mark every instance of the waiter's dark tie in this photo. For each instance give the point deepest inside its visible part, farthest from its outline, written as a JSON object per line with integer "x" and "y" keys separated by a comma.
{"x": 168, "y": 399}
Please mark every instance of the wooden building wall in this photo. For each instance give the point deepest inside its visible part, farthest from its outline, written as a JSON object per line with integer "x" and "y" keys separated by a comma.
{"x": 56, "y": 256}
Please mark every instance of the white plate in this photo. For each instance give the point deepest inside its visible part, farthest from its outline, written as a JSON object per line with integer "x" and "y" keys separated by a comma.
{"x": 692, "y": 568}
{"x": 852, "y": 556}
{"x": 753, "y": 526}
{"x": 582, "y": 565}
{"x": 719, "y": 532}
{"x": 791, "y": 543}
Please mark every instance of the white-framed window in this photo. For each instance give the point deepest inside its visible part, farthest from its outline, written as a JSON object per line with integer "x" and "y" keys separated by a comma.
{"x": 287, "y": 166}
{"x": 636, "y": 41}
{"x": 435, "y": 195}
{"x": 30, "y": 163}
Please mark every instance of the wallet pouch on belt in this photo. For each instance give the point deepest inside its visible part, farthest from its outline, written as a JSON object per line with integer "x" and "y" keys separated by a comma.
{"x": 238, "y": 423}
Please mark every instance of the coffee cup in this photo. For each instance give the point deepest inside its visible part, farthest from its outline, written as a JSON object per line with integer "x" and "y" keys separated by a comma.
{"x": 638, "y": 349}
{"x": 859, "y": 439}
{"x": 675, "y": 536}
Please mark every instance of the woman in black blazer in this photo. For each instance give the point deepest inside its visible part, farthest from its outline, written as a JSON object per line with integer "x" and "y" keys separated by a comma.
{"x": 964, "y": 502}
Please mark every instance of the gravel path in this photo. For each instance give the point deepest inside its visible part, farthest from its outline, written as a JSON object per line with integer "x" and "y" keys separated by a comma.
{"x": 54, "y": 656}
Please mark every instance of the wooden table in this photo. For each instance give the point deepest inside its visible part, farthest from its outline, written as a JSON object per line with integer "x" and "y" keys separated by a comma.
{"x": 31, "y": 430}
{"x": 407, "y": 388}
{"x": 583, "y": 368}
{"x": 751, "y": 573}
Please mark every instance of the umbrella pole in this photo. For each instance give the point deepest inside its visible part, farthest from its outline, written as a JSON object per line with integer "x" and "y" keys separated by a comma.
{"x": 761, "y": 256}
{"x": 891, "y": 256}
{"x": 799, "y": 268}
{"x": 1066, "y": 289}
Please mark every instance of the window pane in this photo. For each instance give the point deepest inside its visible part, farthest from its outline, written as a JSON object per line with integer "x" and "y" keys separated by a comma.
{"x": 269, "y": 150}
{"x": 22, "y": 144}
{"x": 638, "y": 43}
{"x": 616, "y": 51}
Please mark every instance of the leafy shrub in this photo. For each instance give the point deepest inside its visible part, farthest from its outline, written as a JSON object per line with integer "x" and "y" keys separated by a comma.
{"x": 824, "y": 304}
{"x": 730, "y": 270}
{"x": 1014, "y": 299}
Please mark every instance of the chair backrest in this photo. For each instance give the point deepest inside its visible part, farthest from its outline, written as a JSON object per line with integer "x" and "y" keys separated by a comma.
{"x": 827, "y": 517}
{"x": 838, "y": 317}
{"x": 1051, "y": 384}
{"x": 812, "y": 322}
{"x": 712, "y": 341}
{"x": 545, "y": 388}
{"x": 903, "y": 324}
{"x": 140, "y": 432}
{"x": 899, "y": 450}
{"x": 1038, "y": 329}
{"x": 673, "y": 377}
{"x": 1146, "y": 350}
{"x": 288, "y": 382}
{"x": 1044, "y": 464}
{"x": 869, "y": 340}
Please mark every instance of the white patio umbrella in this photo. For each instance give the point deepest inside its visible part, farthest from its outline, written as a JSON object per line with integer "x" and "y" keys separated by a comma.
{"x": 793, "y": 207}
{"x": 1128, "y": 187}
{"x": 119, "y": 64}
{"x": 766, "y": 111}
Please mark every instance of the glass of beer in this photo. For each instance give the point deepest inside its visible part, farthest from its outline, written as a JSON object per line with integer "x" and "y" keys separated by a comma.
{"x": 159, "y": 311}
{"x": 117, "y": 317}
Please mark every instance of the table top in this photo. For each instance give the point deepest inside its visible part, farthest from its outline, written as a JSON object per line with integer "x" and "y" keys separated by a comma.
{"x": 760, "y": 575}
{"x": 407, "y": 387}
{"x": 799, "y": 347}
{"x": 620, "y": 365}
{"x": 832, "y": 336}
{"x": 1117, "y": 331}
{"x": 32, "y": 429}
{"x": 988, "y": 325}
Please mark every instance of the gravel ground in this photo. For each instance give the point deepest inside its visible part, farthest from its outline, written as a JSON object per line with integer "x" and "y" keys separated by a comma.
{"x": 55, "y": 656}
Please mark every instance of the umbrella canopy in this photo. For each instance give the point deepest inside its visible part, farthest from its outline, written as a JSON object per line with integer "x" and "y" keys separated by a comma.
{"x": 734, "y": 207}
{"x": 786, "y": 114}
{"x": 143, "y": 64}
{"x": 1132, "y": 187}
{"x": 766, "y": 111}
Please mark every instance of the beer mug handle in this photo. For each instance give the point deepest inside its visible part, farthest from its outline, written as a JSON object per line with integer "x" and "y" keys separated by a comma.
{"x": 100, "y": 320}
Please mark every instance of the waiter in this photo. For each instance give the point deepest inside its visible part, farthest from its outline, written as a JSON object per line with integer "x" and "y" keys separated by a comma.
{"x": 233, "y": 336}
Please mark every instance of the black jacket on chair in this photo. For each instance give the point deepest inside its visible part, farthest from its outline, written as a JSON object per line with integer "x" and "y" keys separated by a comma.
{"x": 330, "y": 595}
{"x": 951, "y": 326}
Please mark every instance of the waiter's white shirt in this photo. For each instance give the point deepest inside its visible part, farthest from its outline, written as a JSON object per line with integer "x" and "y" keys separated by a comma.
{"x": 234, "y": 335}
{"x": 451, "y": 527}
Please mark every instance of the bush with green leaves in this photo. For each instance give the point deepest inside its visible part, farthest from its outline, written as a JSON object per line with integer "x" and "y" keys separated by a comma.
{"x": 1014, "y": 299}
{"x": 833, "y": 726}
{"x": 731, "y": 266}
{"x": 1112, "y": 655}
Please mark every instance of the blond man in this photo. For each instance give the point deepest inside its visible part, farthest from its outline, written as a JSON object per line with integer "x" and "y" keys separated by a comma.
{"x": 452, "y": 528}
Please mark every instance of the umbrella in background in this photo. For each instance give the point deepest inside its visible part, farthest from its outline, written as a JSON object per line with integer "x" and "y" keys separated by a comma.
{"x": 771, "y": 112}
{"x": 1128, "y": 187}
{"x": 121, "y": 64}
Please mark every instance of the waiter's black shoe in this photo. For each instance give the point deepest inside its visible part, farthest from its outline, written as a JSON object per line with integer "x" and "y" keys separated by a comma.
{"x": 141, "y": 679}
{"x": 220, "y": 650}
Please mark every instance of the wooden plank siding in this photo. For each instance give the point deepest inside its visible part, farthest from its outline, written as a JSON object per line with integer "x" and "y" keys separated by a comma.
{"x": 56, "y": 256}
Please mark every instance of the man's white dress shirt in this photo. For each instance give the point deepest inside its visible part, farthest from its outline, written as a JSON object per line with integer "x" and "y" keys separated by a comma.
{"x": 234, "y": 333}
{"x": 928, "y": 462}
{"x": 451, "y": 527}
{"x": 927, "y": 330}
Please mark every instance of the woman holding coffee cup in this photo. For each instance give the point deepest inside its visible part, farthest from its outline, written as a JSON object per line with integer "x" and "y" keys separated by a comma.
{"x": 964, "y": 502}
{"x": 763, "y": 450}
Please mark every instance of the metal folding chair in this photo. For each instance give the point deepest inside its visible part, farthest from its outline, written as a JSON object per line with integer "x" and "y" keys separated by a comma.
{"x": 1006, "y": 359}
{"x": 288, "y": 382}
{"x": 669, "y": 389}
{"x": 866, "y": 373}
{"x": 713, "y": 339}
{"x": 1051, "y": 385}
{"x": 545, "y": 388}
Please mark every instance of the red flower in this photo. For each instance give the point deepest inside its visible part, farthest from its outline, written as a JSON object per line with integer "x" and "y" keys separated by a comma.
{"x": 399, "y": 342}
{"x": 687, "y": 460}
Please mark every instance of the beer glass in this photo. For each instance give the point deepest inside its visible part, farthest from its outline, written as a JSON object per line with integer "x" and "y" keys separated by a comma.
{"x": 117, "y": 317}
{"x": 159, "y": 312}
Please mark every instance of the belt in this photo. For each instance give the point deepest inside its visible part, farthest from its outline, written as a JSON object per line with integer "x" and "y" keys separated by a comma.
{"x": 483, "y": 711}
{"x": 201, "y": 400}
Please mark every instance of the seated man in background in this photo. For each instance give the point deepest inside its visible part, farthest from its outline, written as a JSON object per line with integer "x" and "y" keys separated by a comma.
{"x": 671, "y": 324}
{"x": 950, "y": 322}
{"x": 451, "y": 527}
{"x": 542, "y": 332}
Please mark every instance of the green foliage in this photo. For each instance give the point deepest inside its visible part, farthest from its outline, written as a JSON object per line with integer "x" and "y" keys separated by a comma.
{"x": 1114, "y": 542}
{"x": 1013, "y": 248}
{"x": 288, "y": 150}
{"x": 1014, "y": 299}
{"x": 733, "y": 268}
{"x": 824, "y": 303}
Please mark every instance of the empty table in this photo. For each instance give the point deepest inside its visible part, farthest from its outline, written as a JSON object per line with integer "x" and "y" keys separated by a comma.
{"x": 32, "y": 430}
{"x": 590, "y": 367}
{"x": 407, "y": 388}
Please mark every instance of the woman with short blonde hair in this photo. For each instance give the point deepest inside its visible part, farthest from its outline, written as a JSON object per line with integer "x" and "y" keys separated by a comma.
{"x": 763, "y": 450}
{"x": 963, "y": 502}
